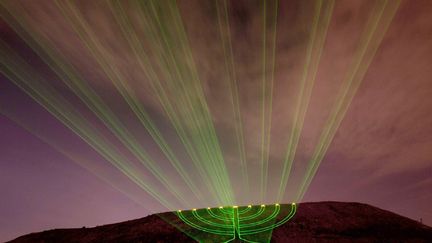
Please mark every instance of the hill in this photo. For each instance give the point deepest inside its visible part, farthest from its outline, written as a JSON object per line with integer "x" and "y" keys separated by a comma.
{"x": 313, "y": 222}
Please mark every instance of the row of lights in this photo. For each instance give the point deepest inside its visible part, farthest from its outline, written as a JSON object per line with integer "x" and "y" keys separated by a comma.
{"x": 249, "y": 206}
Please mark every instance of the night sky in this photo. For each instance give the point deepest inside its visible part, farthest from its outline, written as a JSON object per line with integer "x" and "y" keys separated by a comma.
{"x": 381, "y": 153}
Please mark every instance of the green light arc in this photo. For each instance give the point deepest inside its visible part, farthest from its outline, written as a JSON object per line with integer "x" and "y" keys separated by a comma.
{"x": 246, "y": 210}
{"x": 257, "y": 214}
{"x": 214, "y": 215}
{"x": 228, "y": 221}
{"x": 209, "y": 222}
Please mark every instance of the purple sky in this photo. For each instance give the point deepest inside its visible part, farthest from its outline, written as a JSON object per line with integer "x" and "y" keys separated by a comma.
{"x": 381, "y": 153}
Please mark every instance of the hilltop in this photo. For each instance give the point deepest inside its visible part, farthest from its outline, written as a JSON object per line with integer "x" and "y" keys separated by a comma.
{"x": 313, "y": 222}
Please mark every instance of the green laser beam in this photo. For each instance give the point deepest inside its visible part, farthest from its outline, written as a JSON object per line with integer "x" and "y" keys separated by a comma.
{"x": 161, "y": 92}
{"x": 24, "y": 76}
{"x": 382, "y": 15}
{"x": 320, "y": 25}
{"x": 225, "y": 36}
{"x": 206, "y": 140}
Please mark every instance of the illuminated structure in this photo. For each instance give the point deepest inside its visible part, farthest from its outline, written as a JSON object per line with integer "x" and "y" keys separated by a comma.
{"x": 233, "y": 222}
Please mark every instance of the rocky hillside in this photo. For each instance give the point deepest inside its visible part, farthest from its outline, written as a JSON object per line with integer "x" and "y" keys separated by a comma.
{"x": 313, "y": 222}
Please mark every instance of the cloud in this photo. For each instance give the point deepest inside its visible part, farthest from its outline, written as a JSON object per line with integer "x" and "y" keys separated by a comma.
{"x": 386, "y": 129}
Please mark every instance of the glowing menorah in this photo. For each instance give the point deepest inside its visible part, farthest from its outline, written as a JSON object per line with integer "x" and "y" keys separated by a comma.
{"x": 237, "y": 222}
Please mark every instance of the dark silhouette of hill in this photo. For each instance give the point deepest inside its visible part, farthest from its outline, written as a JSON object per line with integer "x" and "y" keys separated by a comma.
{"x": 314, "y": 222}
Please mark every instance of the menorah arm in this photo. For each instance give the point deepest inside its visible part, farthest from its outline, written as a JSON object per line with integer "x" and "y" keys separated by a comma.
{"x": 212, "y": 231}
{"x": 224, "y": 218}
{"x": 202, "y": 219}
{"x": 283, "y": 221}
{"x": 263, "y": 221}
{"x": 247, "y": 209}
{"x": 257, "y": 214}
{"x": 222, "y": 210}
